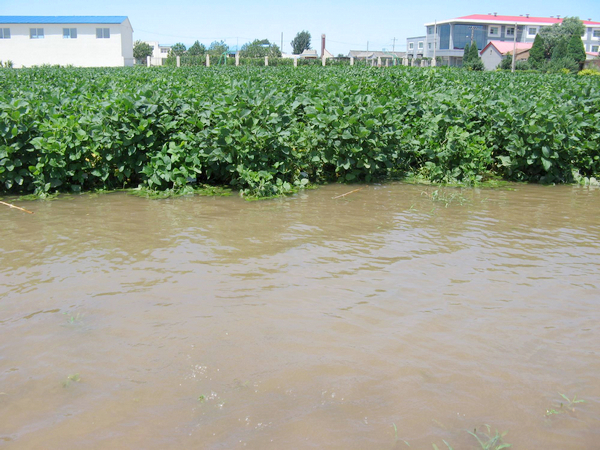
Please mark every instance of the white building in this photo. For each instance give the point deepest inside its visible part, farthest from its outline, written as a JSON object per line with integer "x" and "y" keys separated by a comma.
{"x": 83, "y": 41}
{"x": 159, "y": 53}
{"x": 446, "y": 39}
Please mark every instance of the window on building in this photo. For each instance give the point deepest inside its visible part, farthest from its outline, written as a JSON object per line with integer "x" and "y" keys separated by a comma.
{"x": 595, "y": 48}
{"x": 164, "y": 50}
{"x": 494, "y": 31}
{"x": 532, "y": 31}
{"x": 102, "y": 33}
{"x": 510, "y": 31}
{"x": 420, "y": 45}
{"x": 411, "y": 46}
{"x": 4, "y": 33}
{"x": 69, "y": 33}
{"x": 465, "y": 34}
{"x": 429, "y": 45}
{"x": 36, "y": 33}
{"x": 596, "y": 33}
{"x": 429, "y": 30}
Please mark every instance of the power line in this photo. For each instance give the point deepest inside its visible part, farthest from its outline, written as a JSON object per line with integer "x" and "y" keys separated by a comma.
{"x": 194, "y": 37}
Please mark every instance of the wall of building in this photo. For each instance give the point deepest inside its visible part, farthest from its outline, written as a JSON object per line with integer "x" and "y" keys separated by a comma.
{"x": 84, "y": 51}
{"x": 491, "y": 58}
{"x": 418, "y": 47}
{"x": 126, "y": 33}
{"x": 589, "y": 40}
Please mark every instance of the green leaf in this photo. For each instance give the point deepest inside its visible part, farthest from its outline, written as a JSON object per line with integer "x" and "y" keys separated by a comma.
{"x": 546, "y": 163}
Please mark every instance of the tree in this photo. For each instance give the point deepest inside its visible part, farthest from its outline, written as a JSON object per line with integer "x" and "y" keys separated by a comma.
{"x": 560, "y": 50}
{"x": 196, "y": 49}
{"x": 217, "y": 48}
{"x": 576, "y": 51}
{"x": 473, "y": 61}
{"x": 259, "y": 48}
{"x": 557, "y": 32}
{"x": 141, "y": 50}
{"x": 474, "y": 53}
{"x": 178, "y": 49}
{"x": 301, "y": 42}
{"x": 536, "y": 53}
{"x": 572, "y": 25}
{"x": 466, "y": 54}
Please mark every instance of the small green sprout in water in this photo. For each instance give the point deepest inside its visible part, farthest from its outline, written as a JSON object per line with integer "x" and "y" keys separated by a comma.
{"x": 396, "y": 435}
{"x": 489, "y": 442}
{"x": 202, "y": 398}
{"x": 75, "y": 378}
{"x": 74, "y": 318}
{"x": 447, "y": 445}
{"x": 442, "y": 196}
{"x": 564, "y": 407}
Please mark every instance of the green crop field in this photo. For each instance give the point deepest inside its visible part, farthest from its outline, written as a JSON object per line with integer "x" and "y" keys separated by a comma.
{"x": 269, "y": 131}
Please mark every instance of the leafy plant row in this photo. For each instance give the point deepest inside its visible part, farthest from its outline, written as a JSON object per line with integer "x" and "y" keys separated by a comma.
{"x": 270, "y": 131}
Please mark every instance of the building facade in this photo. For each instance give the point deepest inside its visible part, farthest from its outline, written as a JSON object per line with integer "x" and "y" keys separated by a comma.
{"x": 159, "y": 53}
{"x": 415, "y": 47}
{"x": 446, "y": 39}
{"x": 493, "y": 53}
{"x": 82, "y": 41}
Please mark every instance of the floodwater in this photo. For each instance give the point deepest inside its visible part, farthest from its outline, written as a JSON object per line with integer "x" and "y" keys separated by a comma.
{"x": 398, "y": 314}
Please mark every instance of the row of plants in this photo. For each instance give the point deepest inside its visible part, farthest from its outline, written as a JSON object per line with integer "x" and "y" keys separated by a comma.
{"x": 268, "y": 132}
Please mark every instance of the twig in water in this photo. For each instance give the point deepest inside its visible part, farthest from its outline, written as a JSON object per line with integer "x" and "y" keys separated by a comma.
{"x": 13, "y": 206}
{"x": 347, "y": 193}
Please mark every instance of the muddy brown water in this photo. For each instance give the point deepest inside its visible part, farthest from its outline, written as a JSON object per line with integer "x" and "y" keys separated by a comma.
{"x": 361, "y": 322}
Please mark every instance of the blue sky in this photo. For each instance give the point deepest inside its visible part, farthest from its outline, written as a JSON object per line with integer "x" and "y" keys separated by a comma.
{"x": 348, "y": 24}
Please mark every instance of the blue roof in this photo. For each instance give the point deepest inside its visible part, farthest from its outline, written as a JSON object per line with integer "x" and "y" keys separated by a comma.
{"x": 63, "y": 19}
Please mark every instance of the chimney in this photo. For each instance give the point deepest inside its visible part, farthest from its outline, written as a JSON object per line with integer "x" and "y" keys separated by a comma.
{"x": 495, "y": 14}
{"x": 558, "y": 17}
{"x": 322, "y": 45}
{"x": 527, "y": 15}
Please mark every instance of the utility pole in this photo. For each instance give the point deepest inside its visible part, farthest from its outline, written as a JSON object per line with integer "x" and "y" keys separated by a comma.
{"x": 434, "y": 62}
{"x": 394, "y": 44}
{"x": 514, "y": 55}
{"x": 281, "y": 48}
{"x": 367, "y": 45}
{"x": 472, "y": 33}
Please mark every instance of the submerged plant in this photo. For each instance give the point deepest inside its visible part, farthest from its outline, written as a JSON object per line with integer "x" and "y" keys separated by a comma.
{"x": 396, "y": 438}
{"x": 564, "y": 407}
{"x": 444, "y": 197}
{"x": 74, "y": 318}
{"x": 487, "y": 441}
{"x": 75, "y": 378}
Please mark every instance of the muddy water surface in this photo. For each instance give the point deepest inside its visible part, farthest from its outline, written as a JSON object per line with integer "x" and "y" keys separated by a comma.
{"x": 392, "y": 314}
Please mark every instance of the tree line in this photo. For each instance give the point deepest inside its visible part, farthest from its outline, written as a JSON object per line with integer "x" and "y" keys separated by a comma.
{"x": 258, "y": 48}
{"x": 555, "y": 48}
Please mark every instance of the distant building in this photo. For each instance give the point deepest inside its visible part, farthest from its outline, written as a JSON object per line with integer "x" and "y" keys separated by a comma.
{"x": 496, "y": 51}
{"x": 366, "y": 54}
{"x": 159, "y": 53}
{"x": 309, "y": 53}
{"x": 415, "y": 47}
{"x": 84, "y": 41}
{"x": 446, "y": 39}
